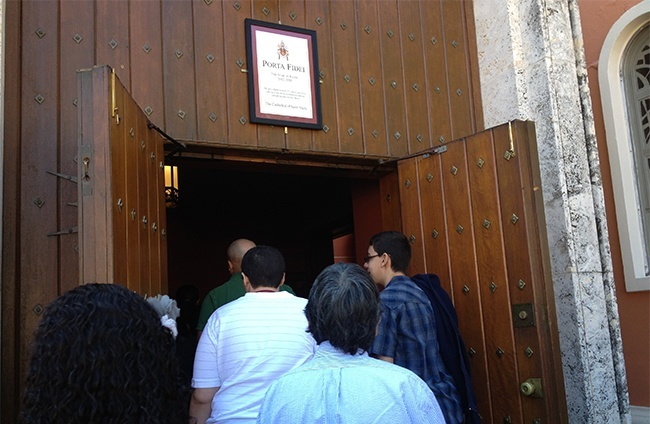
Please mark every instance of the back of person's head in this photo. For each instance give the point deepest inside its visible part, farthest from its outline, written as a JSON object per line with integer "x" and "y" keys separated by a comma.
{"x": 343, "y": 308}
{"x": 396, "y": 245}
{"x": 236, "y": 251}
{"x": 100, "y": 354}
{"x": 264, "y": 266}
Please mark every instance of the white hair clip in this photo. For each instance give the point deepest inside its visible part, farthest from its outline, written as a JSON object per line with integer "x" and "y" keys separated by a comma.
{"x": 169, "y": 323}
{"x": 167, "y": 310}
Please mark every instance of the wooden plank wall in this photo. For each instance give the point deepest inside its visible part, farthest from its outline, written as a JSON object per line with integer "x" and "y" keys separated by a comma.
{"x": 398, "y": 77}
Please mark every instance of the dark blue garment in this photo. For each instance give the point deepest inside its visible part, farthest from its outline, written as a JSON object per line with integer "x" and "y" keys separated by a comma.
{"x": 453, "y": 353}
{"x": 407, "y": 333}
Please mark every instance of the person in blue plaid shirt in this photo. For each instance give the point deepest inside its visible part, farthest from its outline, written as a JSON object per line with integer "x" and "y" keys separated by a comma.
{"x": 406, "y": 334}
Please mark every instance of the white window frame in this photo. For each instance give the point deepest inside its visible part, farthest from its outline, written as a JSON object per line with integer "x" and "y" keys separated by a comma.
{"x": 621, "y": 158}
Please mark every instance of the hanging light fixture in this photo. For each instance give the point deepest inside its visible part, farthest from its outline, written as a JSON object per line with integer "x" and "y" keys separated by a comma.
{"x": 171, "y": 186}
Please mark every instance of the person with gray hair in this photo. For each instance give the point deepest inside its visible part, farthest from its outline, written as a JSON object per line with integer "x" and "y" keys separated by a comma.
{"x": 342, "y": 383}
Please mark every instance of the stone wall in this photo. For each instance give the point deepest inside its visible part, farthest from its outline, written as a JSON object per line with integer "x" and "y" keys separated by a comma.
{"x": 532, "y": 67}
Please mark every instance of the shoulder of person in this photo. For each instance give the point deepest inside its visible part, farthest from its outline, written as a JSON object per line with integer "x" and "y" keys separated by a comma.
{"x": 287, "y": 288}
{"x": 406, "y": 374}
{"x": 217, "y": 291}
{"x": 293, "y": 298}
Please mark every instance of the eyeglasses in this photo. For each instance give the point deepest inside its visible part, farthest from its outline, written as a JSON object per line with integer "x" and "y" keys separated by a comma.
{"x": 367, "y": 258}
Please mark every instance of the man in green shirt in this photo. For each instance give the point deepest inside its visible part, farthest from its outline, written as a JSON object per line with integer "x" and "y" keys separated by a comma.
{"x": 231, "y": 289}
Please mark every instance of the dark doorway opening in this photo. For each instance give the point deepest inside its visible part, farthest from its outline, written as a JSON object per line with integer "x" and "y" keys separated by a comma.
{"x": 299, "y": 210}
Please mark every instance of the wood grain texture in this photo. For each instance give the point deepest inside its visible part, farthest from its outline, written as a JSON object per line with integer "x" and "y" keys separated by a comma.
{"x": 485, "y": 206}
{"x": 182, "y": 62}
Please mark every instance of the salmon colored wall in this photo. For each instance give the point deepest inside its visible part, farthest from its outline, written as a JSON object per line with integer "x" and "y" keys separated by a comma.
{"x": 634, "y": 307}
{"x": 367, "y": 214}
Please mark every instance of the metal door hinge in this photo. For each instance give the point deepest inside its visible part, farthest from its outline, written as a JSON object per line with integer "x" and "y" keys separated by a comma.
{"x": 64, "y": 176}
{"x": 71, "y": 230}
{"x": 439, "y": 150}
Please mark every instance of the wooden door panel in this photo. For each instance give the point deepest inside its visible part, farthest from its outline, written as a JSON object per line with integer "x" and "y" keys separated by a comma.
{"x": 434, "y": 225}
{"x": 141, "y": 244}
{"x": 210, "y": 71}
{"x": 476, "y": 212}
{"x": 121, "y": 191}
{"x": 390, "y": 203}
{"x": 117, "y": 176}
{"x": 160, "y": 271}
{"x": 516, "y": 254}
{"x": 459, "y": 99}
{"x": 145, "y": 33}
{"x": 127, "y": 170}
{"x": 317, "y": 14}
{"x": 36, "y": 200}
{"x": 500, "y": 354}
{"x": 178, "y": 56}
{"x": 415, "y": 83}
{"x": 528, "y": 271}
{"x": 80, "y": 16}
{"x": 437, "y": 69}
{"x": 157, "y": 216}
{"x": 372, "y": 82}
{"x": 463, "y": 271}
{"x": 346, "y": 66}
{"x": 440, "y": 221}
{"x": 234, "y": 51}
{"x": 393, "y": 72}
{"x": 93, "y": 233}
{"x": 410, "y": 210}
{"x": 113, "y": 44}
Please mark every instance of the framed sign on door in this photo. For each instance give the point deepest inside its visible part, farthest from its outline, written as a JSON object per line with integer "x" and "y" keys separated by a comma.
{"x": 283, "y": 86}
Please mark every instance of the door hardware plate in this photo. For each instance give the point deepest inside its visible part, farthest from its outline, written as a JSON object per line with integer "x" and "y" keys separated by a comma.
{"x": 522, "y": 315}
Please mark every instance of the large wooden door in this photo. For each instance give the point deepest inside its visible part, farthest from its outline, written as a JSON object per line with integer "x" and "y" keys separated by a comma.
{"x": 473, "y": 211}
{"x": 122, "y": 218}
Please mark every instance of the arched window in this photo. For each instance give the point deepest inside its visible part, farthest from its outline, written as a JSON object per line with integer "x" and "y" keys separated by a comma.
{"x": 636, "y": 79}
{"x": 624, "y": 77}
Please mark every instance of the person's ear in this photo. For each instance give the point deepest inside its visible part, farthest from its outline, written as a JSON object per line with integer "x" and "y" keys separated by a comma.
{"x": 247, "y": 283}
{"x": 231, "y": 266}
{"x": 282, "y": 281}
{"x": 385, "y": 260}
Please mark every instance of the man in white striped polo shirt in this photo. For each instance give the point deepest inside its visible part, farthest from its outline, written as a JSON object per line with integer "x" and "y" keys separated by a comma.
{"x": 248, "y": 343}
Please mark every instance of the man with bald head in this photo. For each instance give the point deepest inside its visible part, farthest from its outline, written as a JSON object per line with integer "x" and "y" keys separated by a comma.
{"x": 231, "y": 289}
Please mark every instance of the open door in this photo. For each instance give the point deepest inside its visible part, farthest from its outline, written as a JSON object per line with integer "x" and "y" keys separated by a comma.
{"x": 122, "y": 218}
{"x": 472, "y": 209}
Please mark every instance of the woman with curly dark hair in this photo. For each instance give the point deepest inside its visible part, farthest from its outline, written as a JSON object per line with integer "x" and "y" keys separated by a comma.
{"x": 101, "y": 355}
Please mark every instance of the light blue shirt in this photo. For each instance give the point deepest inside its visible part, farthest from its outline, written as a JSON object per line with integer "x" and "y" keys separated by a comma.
{"x": 335, "y": 387}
